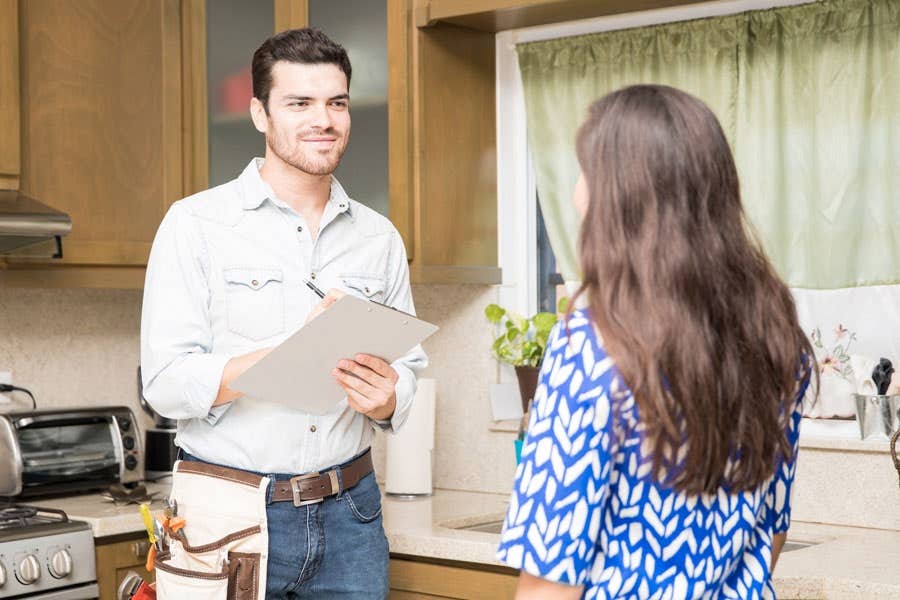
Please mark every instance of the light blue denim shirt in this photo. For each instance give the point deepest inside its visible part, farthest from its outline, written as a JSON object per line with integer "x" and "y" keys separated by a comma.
{"x": 225, "y": 278}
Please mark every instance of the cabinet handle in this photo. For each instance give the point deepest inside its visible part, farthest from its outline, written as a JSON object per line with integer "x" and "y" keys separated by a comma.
{"x": 140, "y": 549}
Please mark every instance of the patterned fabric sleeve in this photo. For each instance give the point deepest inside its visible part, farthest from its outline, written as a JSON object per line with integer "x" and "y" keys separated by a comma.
{"x": 778, "y": 499}
{"x": 556, "y": 508}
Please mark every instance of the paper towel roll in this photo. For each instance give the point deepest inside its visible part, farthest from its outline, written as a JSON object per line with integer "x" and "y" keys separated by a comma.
{"x": 409, "y": 451}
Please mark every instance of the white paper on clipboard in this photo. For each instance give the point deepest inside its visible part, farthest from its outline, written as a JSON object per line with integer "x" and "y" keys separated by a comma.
{"x": 298, "y": 371}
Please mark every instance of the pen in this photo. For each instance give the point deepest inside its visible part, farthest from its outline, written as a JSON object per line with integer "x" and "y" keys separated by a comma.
{"x": 313, "y": 287}
{"x": 321, "y": 294}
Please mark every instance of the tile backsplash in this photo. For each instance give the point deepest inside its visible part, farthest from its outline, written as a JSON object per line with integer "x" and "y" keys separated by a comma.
{"x": 72, "y": 347}
{"x": 76, "y": 347}
{"x": 81, "y": 347}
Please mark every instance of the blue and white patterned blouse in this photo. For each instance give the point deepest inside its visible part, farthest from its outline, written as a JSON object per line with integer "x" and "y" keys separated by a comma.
{"x": 586, "y": 510}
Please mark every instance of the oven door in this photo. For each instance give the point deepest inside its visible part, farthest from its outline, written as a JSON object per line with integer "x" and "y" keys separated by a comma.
{"x": 67, "y": 452}
{"x": 88, "y": 591}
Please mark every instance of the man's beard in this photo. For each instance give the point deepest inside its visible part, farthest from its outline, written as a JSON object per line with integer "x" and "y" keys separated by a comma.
{"x": 317, "y": 165}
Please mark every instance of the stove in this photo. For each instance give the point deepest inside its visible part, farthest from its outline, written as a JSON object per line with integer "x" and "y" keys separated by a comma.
{"x": 45, "y": 555}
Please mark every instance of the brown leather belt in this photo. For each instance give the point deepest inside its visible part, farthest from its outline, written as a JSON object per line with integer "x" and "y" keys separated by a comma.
{"x": 302, "y": 489}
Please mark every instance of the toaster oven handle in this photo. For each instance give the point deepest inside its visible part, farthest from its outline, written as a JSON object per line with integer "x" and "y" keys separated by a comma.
{"x": 10, "y": 460}
{"x": 68, "y": 419}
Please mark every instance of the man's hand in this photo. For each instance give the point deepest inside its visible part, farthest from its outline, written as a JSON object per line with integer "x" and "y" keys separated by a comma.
{"x": 233, "y": 369}
{"x": 330, "y": 298}
{"x": 370, "y": 385}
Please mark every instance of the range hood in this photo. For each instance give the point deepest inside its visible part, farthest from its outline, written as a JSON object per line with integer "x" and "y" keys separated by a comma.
{"x": 25, "y": 222}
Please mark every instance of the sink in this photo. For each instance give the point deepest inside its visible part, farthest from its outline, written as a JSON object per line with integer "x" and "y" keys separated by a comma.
{"x": 486, "y": 527}
{"x": 496, "y": 526}
{"x": 791, "y": 545}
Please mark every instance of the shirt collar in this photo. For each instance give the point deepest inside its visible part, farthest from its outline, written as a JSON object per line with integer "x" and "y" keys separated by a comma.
{"x": 256, "y": 190}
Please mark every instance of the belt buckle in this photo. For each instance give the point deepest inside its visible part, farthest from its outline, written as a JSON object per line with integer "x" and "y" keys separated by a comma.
{"x": 295, "y": 486}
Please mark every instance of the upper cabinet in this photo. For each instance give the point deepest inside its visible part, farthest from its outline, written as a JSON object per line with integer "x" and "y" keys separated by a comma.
{"x": 443, "y": 147}
{"x": 101, "y": 138}
{"x": 500, "y": 15}
{"x": 125, "y": 106}
{"x": 9, "y": 95}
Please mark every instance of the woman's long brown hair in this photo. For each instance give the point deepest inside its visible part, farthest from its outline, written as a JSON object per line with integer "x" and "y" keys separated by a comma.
{"x": 700, "y": 326}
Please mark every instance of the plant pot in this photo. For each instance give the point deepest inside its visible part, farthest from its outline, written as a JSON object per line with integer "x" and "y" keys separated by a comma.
{"x": 528, "y": 380}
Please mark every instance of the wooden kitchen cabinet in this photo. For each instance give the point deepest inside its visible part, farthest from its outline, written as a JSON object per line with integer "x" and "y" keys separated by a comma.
{"x": 416, "y": 579}
{"x": 116, "y": 558}
{"x": 9, "y": 95}
{"x": 443, "y": 172}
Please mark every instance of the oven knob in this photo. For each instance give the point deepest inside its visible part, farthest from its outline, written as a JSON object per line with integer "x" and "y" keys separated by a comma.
{"x": 61, "y": 564}
{"x": 130, "y": 462}
{"x": 124, "y": 423}
{"x": 128, "y": 442}
{"x": 29, "y": 570}
{"x": 2, "y": 575}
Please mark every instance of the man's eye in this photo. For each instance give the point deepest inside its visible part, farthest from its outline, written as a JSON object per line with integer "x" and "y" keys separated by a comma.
{"x": 339, "y": 104}
{"x": 299, "y": 104}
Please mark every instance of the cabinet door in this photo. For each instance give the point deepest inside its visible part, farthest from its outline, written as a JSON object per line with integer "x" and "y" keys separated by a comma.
{"x": 443, "y": 147}
{"x": 9, "y": 94}
{"x": 219, "y": 40}
{"x": 115, "y": 560}
{"x": 101, "y": 120}
{"x": 412, "y": 579}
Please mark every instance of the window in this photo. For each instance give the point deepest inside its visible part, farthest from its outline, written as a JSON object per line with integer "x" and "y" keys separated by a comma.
{"x": 547, "y": 277}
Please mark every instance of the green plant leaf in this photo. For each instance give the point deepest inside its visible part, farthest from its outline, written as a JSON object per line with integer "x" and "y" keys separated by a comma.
{"x": 544, "y": 321}
{"x": 494, "y": 313}
{"x": 562, "y": 305}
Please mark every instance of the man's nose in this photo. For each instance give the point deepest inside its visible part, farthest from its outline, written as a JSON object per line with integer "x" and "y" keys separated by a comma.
{"x": 321, "y": 117}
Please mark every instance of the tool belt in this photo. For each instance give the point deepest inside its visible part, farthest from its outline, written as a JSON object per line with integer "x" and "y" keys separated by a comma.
{"x": 301, "y": 489}
{"x": 220, "y": 550}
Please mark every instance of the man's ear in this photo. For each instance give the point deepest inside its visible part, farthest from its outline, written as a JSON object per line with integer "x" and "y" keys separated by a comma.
{"x": 259, "y": 115}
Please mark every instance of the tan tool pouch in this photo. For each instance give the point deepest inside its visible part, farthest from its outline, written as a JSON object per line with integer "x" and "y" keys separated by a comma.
{"x": 221, "y": 552}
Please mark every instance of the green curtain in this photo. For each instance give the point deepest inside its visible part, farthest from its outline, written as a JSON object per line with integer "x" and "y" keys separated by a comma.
{"x": 807, "y": 96}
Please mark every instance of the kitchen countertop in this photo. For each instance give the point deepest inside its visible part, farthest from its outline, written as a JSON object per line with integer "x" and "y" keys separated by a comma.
{"x": 843, "y": 562}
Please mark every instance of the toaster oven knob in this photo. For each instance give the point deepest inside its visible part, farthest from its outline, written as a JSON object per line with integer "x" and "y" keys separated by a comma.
{"x": 130, "y": 462}
{"x": 61, "y": 564}
{"x": 2, "y": 575}
{"x": 128, "y": 442}
{"x": 29, "y": 570}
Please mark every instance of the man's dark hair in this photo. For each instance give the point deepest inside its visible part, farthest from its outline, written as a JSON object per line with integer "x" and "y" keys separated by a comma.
{"x": 306, "y": 46}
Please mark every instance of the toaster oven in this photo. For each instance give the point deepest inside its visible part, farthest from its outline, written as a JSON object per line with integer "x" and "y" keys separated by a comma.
{"x": 68, "y": 450}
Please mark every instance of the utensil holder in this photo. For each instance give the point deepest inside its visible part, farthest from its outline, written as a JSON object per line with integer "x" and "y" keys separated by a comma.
{"x": 878, "y": 416}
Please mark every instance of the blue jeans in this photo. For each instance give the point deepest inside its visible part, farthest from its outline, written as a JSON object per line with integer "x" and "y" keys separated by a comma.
{"x": 333, "y": 549}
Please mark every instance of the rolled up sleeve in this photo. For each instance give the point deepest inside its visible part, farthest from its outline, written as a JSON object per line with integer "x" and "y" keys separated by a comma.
{"x": 410, "y": 366}
{"x": 181, "y": 377}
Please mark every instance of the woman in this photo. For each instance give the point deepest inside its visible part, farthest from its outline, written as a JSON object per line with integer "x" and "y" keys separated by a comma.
{"x": 662, "y": 443}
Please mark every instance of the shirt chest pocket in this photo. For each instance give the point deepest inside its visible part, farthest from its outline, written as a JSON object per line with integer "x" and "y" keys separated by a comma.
{"x": 254, "y": 302}
{"x": 365, "y": 285}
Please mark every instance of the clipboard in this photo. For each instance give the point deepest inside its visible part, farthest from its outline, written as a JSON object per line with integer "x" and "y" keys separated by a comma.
{"x": 298, "y": 371}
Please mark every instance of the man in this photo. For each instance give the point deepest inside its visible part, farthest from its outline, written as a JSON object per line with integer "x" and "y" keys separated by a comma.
{"x": 225, "y": 284}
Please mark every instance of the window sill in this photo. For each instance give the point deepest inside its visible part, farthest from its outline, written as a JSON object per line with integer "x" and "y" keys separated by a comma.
{"x": 505, "y": 426}
{"x": 841, "y": 435}
{"x": 819, "y": 434}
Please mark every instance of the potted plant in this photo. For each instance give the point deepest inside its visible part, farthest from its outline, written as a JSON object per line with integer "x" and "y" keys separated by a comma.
{"x": 521, "y": 343}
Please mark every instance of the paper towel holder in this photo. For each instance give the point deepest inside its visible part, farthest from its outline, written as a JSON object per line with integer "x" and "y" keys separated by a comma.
{"x": 410, "y": 451}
